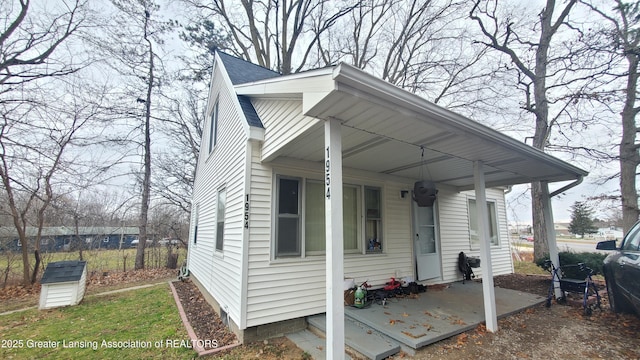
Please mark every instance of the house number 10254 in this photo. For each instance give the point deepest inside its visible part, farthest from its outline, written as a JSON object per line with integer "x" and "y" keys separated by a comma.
{"x": 246, "y": 211}
{"x": 327, "y": 169}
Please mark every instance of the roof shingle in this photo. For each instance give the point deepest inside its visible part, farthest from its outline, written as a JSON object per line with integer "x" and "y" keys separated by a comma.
{"x": 241, "y": 71}
{"x": 63, "y": 271}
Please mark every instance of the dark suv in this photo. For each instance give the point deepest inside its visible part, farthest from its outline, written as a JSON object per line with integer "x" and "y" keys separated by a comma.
{"x": 622, "y": 272}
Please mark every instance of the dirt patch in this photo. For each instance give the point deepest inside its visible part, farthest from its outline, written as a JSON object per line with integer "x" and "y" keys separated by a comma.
{"x": 559, "y": 331}
{"x": 207, "y": 325}
{"x": 203, "y": 319}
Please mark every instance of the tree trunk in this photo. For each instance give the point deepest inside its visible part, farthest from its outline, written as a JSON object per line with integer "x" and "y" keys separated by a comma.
{"x": 36, "y": 253}
{"x": 629, "y": 157}
{"x": 26, "y": 267}
{"x": 146, "y": 182}
{"x": 540, "y": 243}
{"x": 77, "y": 233}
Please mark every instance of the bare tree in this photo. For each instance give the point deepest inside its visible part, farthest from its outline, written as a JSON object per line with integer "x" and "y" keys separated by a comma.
{"x": 280, "y": 35}
{"x": 30, "y": 39}
{"x": 176, "y": 165}
{"x": 625, "y": 43}
{"x": 31, "y": 51}
{"x": 422, "y": 46}
{"x": 36, "y": 137}
{"x": 552, "y": 74}
{"x": 132, "y": 48}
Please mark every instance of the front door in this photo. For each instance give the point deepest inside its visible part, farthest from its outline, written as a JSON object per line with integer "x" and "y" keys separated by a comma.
{"x": 426, "y": 242}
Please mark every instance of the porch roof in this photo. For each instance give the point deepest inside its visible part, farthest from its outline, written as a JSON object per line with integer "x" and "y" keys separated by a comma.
{"x": 384, "y": 128}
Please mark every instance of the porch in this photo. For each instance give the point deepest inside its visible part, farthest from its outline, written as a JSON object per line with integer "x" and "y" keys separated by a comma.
{"x": 411, "y": 323}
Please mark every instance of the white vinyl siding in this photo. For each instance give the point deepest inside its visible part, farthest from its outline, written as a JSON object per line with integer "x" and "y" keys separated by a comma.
{"x": 454, "y": 233}
{"x": 283, "y": 122}
{"x": 220, "y": 273}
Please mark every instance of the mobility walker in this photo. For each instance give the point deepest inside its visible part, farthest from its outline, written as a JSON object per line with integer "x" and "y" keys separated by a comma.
{"x": 573, "y": 278}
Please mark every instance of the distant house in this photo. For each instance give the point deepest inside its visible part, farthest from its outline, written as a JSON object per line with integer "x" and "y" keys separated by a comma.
{"x": 562, "y": 229}
{"x": 307, "y": 178}
{"x": 610, "y": 233}
{"x": 61, "y": 238}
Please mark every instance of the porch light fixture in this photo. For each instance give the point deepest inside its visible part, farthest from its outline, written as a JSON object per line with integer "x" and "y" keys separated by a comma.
{"x": 424, "y": 191}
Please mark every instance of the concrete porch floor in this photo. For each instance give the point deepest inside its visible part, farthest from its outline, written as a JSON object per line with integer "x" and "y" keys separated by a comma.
{"x": 438, "y": 313}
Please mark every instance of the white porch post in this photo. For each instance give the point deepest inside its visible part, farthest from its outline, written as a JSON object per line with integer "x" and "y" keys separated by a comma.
{"x": 334, "y": 240}
{"x": 490, "y": 314}
{"x": 547, "y": 214}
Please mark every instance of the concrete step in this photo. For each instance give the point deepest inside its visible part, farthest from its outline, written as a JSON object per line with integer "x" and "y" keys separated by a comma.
{"x": 310, "y": 343}
{"x": 361, "y": 338}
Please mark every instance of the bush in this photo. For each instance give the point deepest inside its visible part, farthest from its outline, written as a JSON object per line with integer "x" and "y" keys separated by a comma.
{"x": 592, "y": 260}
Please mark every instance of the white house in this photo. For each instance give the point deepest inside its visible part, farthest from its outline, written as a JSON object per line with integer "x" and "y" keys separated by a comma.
{"x": 305, "y": 179}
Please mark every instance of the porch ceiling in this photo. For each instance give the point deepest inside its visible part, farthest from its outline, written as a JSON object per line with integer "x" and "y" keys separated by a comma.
{"x": 383, "y": 128}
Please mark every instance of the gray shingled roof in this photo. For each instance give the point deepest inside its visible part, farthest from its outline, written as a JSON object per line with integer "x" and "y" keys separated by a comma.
{"x": 249, "y": 111}
{"x": 63, "y": 271}
{"x": 241, "y": 71}
{"x": 31, "y": 231}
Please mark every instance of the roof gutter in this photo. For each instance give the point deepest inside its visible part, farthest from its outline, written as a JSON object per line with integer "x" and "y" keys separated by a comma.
{"x": 577, "y": 182}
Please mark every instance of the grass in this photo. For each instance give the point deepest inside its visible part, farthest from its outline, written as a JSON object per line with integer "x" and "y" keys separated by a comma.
{"x": 527, "y": 267}
{"x": 98, "y": 260}
{"x": 145, "y": 316}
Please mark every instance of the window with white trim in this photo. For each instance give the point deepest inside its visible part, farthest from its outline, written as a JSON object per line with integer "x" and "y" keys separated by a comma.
{"x": 213, "y": 127}
{"x": 195, "y": 226}
{"x": 288, "y": 217}
{"x": 221, "y": 205}
{"x": 300, "y": 228}
{"x": 474, "y": 238}
{"x": 314, "y": 223}
{"x": 373, "y": 206}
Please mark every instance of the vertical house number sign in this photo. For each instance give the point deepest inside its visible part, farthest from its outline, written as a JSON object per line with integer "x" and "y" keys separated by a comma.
{"x": 328, "y": 174}
{"x": 246, "y": 211}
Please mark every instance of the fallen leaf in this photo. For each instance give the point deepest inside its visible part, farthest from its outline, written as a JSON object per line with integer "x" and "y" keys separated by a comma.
{"x": 412, "y": 335}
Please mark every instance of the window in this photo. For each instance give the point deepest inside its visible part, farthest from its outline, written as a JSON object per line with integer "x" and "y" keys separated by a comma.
{"x": 213, "y": 128}
{"x": 288, "y": 217}
{"x": 632, "y": 240}
{"x": 373, "y": 227}
{"x": 315, "y": 224}
{"x": 220, "y": 219}
{"x": 300, "y": 226}
{"x": 195, "y": 227}
{"x": 473, "y": 224}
